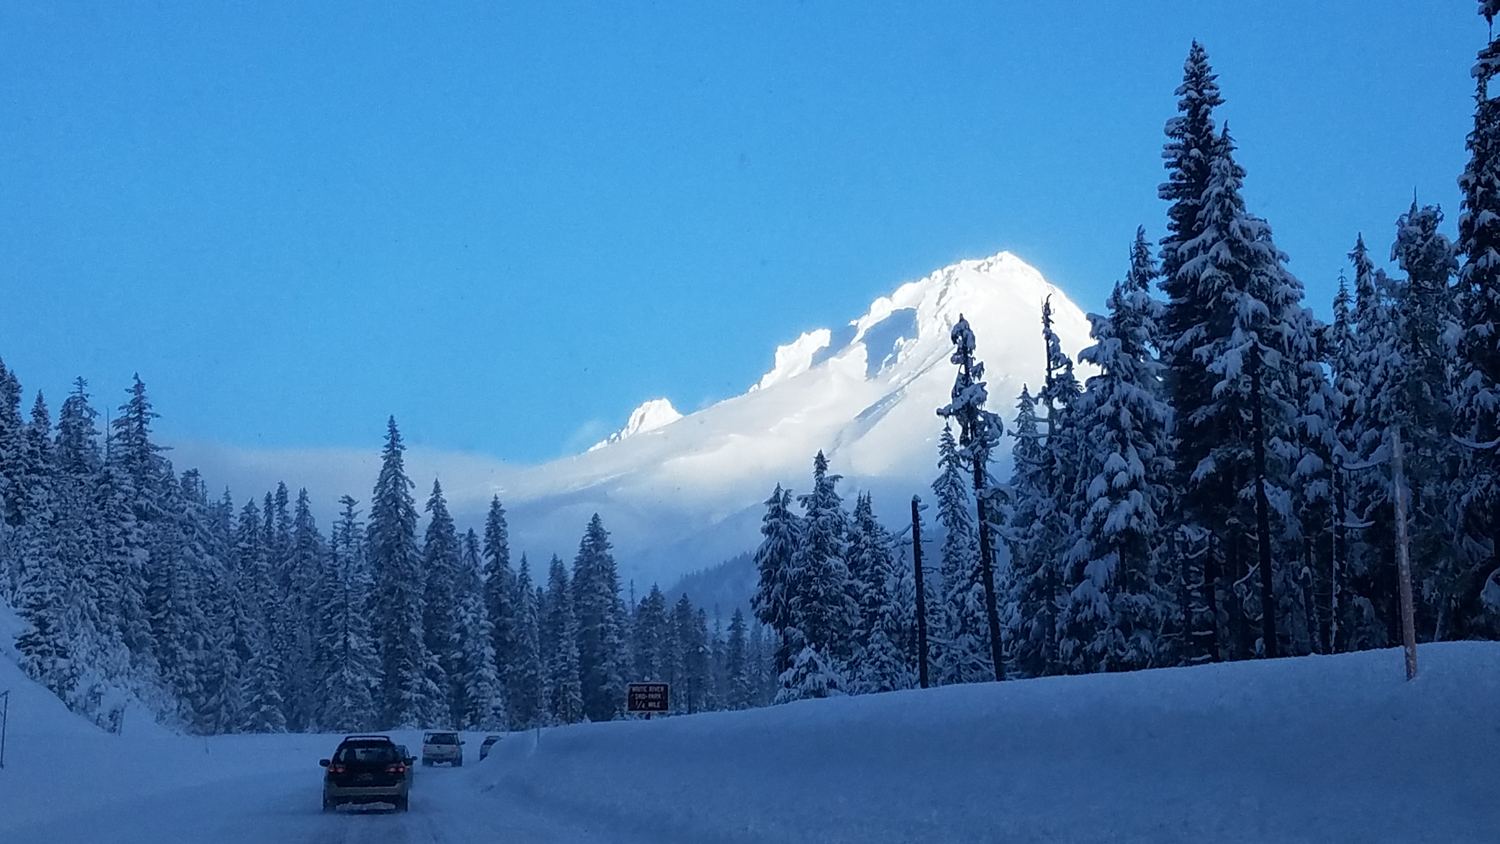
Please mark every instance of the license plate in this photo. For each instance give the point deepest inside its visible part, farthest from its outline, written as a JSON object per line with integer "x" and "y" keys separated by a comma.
{"x": 366, "y": 777}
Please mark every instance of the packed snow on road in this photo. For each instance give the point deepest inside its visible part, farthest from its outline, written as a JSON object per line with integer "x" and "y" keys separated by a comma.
{"x": 1322, "y": 749}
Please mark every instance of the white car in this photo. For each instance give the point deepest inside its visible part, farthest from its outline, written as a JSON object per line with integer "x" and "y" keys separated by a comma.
{"x": 442, "y": 747}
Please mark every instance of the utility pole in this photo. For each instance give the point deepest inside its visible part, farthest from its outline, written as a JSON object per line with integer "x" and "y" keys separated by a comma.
{"x": 916, "y": 556}
{"x": 4, "y": 722}
{"x": 1403, "y": 555}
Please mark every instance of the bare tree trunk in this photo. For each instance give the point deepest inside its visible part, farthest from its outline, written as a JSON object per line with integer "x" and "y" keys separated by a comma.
{"x": 1403, "y": 556}
{"x": 916, "y": 557}
{"x": 1263, "y": 516}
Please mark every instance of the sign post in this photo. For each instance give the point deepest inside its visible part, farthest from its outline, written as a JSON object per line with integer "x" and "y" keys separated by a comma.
{"x": 4, "y": 722}
{"x": 647, "y": 698}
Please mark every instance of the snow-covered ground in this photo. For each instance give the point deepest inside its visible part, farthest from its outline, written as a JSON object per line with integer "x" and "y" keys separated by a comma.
{"x": 1317, "y": 749}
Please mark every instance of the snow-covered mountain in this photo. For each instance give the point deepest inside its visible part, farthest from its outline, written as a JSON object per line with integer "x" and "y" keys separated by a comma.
{"x": 684, "y": 492}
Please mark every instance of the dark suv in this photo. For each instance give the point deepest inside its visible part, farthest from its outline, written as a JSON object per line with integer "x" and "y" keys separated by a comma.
{"x": 366, "y": 769}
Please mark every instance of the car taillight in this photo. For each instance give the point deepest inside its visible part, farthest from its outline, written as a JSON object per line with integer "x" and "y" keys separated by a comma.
{"x": 395, "y": 769}
{"x": 337, "y": 769}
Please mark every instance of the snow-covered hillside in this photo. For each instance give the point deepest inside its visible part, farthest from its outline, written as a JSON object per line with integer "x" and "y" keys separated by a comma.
{"x": 1313, "y": 749}
{"x": 681, "y": 493}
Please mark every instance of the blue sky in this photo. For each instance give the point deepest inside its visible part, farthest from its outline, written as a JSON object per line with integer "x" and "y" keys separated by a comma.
{"x": 509, "y": 224}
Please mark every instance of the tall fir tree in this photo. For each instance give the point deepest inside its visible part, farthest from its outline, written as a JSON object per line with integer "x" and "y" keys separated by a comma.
{"x": 479, "y": 700}
{"x": 408, "y": 695}
{"x": 524, "y": 691}
{"x": 1476, "y": 505}
{"x": 440, "y": 626}
{"x": 1192, "y": 140}
{"x": 781, "y": 532}
{"x": 1116, "y": 610}
{"x": 962, "y": 653}
{"x": 500, "y": 591}
{"x": 559, "y": 641}
{"x": 600, "y": 617}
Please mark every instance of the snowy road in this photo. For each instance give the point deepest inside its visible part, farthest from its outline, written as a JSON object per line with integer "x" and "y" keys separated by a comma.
{"x": 1314, "y": 750}
{"x": 277, "y": 800}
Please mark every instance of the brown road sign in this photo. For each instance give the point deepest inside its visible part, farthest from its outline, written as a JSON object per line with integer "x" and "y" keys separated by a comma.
{"x": 647, "y": 697}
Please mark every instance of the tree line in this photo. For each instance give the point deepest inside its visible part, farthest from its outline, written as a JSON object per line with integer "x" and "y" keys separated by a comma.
{"x": 132, "y": 581}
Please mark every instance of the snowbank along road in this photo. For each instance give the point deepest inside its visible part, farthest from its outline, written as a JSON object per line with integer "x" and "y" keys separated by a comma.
{"x": 1312, "y": 749}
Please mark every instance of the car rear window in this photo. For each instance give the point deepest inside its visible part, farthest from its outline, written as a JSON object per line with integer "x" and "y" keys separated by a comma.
{"x": 366, "y": 754}
{"x": 442, "y": 738}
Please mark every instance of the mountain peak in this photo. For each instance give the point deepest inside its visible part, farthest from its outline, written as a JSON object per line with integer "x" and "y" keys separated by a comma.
{"x": 651, "y": 415}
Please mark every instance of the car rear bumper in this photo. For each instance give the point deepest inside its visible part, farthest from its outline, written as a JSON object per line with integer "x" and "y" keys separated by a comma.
{"x": 365, "y": 793}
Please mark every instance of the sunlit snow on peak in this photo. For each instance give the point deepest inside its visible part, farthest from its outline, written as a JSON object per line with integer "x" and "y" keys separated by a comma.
{"x": 656, "y": 413}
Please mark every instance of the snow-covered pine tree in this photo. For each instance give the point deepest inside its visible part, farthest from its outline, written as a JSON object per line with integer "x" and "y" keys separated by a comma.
{"x": 1477, "y": 401}
{"x": 1251, "y": 308}
{"x": 524, "y": 691}
{"x": 651, "y": 640}
{"x": 559, "y": 641}
{"x": 1116, "y": 610}
{"x": 408, "y": 695}
{"x": 440, "y": 630}
{"x": 1192, "y": 139}
{"x": 44, "y": 645}
{"x": 305, "y": 559}
{"x": 880, "y": 664}
{"x": 600, "y": 616}
{"x": 780, "y": 530}
{"x": 1022, "y": 534}
{"x": 740, "y": 693}
{"x": 960, "y": 635}
{"x": 12, "y": 428}
{"x": 812, "y": 675}
{"x": 824, "y": 612}
{"x": 260, "y": 681}
{"x": 480, "y": 703}
{"x": 979, "y": 433}
{"x": 499, "y": 592}
{"x": 690, "y": 691}
{"x": 346, "y": 668}
{"x": 1422, "y": 407}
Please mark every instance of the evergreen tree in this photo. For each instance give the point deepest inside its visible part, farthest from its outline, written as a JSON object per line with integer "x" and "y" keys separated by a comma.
{"x": 979, "y": 432}
{"x": 524, "y": 693}
{"x": 600, "y": 618}
{"x": 306, "y": 557}
{"x": 1421, "y": 406}
{"x": 559, "y": 640}
{"x": 772, "y": 602}
{"x": 12, "y": 428}
{"x": 824, "y": 610}
{"x": 741, "y": 687}
{"x": 961, "y": 652}
{"x": 1192, "y": 142}
{"x": 1477, "y": 402}
{"x": 480, "y": 702}
{"x": 440, "y": 563}
{"x": 652, "y": 639}
{"x": 1238, "y": 438}
{"x": 345, "y": 666}
{"x": 691, "y": 691}
{"x": 1116, "y": 609}
{"x": 408, "y": 695}
{"x": 499, "y": 592}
